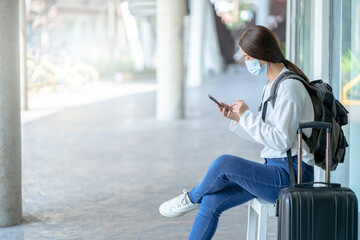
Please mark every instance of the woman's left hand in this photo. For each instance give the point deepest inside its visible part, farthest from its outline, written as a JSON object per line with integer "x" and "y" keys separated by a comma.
{"x": 239, "y": 107}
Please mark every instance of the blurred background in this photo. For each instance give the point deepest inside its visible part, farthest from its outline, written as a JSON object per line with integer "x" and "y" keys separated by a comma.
{"x": 74, "y": 44}
{"x": 115, "y": 117}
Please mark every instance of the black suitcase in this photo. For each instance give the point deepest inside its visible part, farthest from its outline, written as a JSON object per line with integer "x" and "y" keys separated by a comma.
{"x": 309, "y": 212}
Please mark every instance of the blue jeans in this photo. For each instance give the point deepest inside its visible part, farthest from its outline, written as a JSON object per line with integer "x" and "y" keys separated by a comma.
{"x": 231, "y": 181}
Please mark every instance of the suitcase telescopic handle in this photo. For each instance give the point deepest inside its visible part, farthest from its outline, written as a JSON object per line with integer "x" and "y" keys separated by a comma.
{"x": 314, "y": 124}
{"x": 311, "y": 184}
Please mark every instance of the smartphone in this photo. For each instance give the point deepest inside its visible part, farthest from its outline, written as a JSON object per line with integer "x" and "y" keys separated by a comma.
{"x": 217, "y": 102}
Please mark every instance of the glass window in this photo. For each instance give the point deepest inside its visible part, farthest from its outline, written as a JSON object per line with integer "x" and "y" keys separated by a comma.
{"x": 344, "y": 67}
{"x": 304, "y": 36}
{"x": 349, "y": 90}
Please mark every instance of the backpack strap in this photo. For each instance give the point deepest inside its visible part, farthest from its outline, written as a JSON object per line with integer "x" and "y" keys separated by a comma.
{"x": 284, "y": 76}
{"x": 291, "y": 167}
{"x": 274, "y": 88}
{"x": 273, "y": 94}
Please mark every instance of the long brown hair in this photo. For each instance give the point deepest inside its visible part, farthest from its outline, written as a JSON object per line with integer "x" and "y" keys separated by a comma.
{"x": 261, "y": 43}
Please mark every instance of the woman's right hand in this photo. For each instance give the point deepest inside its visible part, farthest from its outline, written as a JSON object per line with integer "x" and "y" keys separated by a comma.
{"x": 228, "y": 114}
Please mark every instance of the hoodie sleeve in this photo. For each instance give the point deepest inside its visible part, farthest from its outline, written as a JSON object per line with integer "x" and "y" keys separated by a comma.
{"x": 281, "y": 134}
{"x": 238, "y": 129}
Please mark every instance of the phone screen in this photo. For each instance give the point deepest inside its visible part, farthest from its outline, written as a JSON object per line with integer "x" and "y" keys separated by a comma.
{"x": 217, "y": 102}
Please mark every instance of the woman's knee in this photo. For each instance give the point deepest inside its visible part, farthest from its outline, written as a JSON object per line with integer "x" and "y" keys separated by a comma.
{"x": 222, "y": 160}
{"x": 226, "y": 160}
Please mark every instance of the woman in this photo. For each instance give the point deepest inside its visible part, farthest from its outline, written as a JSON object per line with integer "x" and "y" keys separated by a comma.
{"x": 231, "y": 180}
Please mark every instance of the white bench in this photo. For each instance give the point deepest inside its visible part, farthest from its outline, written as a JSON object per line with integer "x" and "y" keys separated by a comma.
{"x": 259, "y": 210}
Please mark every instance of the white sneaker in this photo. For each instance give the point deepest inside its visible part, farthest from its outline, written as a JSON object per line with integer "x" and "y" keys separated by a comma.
{"x": 178, "y": 206}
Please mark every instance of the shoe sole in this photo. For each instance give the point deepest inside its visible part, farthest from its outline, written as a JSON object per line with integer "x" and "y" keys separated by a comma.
{"x": 169, "y": 216}
{"x": 174, "y": 216}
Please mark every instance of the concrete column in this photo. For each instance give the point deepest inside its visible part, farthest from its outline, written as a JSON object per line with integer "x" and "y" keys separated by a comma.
{"x": 170, "y": 60}
{"x": 291, "y": 30}
{"x": 262, "y": 12}
{"x": 10, "y": 135}
{"x": 196, "y": 42}
{"x": 121, "y": 33}
{"x": 132, "y": 34}
{"x": 23, "y": 75}
{"x": 147, "y": 42}
{"x": 213, "y": 62}
{"x": 111, "y": 21}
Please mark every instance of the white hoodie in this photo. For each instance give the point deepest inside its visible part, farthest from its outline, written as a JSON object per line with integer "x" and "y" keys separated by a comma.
{"x": 279, "y": 131}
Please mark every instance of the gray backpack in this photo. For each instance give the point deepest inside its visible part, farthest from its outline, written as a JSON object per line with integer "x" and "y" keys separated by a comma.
{"x": 326, "y": 109}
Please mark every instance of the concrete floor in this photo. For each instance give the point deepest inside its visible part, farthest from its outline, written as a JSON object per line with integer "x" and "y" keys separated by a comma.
{"x": 100, "y": 171}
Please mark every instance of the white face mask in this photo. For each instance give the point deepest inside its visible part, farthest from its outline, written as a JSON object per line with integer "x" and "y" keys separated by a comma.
{"x": 255, "y": 69}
